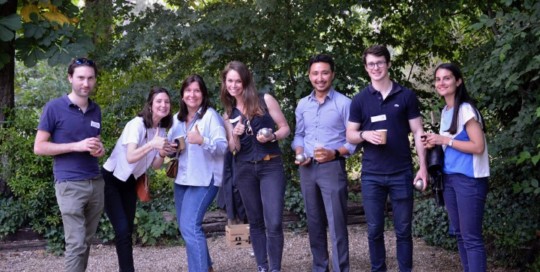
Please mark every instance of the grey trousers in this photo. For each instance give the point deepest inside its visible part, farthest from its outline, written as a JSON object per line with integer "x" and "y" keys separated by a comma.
{"x": 81, "y": 205}
{"x": 324, "y": 187}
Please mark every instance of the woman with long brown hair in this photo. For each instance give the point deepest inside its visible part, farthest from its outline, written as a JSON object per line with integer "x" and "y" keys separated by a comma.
{"x": 255, "y": 124}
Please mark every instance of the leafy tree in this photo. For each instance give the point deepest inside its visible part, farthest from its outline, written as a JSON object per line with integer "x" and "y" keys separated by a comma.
{"x": 32, "y": 30}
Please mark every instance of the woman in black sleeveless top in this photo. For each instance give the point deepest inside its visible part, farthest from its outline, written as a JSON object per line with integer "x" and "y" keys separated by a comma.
{"x": 258, "y": 164}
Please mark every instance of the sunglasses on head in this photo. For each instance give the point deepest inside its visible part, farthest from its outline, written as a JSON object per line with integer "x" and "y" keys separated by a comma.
{"x": 81, "y": 61}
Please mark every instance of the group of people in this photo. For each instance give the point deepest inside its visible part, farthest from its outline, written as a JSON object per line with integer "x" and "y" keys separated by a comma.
{"x": 329, "y": 128}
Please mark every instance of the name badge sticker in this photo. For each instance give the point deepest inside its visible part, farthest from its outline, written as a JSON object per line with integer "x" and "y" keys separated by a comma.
{"x": 378, "y": 118}
{"x": 95, "y": 124}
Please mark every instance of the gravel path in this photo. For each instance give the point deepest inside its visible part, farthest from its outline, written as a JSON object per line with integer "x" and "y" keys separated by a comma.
{"x": 296, "y": 256}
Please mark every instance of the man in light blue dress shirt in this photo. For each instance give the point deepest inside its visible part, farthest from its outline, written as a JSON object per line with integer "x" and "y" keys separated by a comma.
{"x": 321, "y": 121}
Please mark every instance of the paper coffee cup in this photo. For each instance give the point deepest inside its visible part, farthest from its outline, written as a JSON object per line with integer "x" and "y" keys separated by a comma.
{"x": 383, "y": 133}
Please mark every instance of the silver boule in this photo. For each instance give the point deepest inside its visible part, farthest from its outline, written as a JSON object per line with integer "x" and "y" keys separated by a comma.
{"x": 300, "y": 158}
{"x": 266, "y": 132}
{"x": 419, "y": 184}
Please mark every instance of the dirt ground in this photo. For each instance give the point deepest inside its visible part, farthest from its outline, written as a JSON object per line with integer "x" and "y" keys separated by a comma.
{"x": 296, "y": 256}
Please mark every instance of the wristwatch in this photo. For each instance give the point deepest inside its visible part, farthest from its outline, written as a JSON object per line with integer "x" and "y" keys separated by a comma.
{"x": 336, "y": 153}
{"x": 275, "y": 137}
{"x": 451, "y": 143}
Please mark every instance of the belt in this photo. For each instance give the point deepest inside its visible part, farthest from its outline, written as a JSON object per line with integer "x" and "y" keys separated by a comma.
{"x": 313, "y": 161}
{"x": 78, "y": 180}
{"x": 266, "y": 158}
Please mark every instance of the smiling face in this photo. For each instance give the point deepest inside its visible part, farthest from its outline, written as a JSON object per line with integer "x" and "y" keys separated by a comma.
{"x": 321, "y": 76}
{"x": 233, "y": 83}
{"x": 446, "y": 83}
{"x": 377, "y": 67}
{"x": 193, "y": 96}
{"x": 161, "y": 106}
{"x": 82, "y": 81}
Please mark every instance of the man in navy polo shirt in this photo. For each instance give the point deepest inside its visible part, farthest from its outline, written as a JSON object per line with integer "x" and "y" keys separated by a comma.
{"x": 69, "y": 130}
{"x": 321, "y": 122}
{"x": 387, "y": 168}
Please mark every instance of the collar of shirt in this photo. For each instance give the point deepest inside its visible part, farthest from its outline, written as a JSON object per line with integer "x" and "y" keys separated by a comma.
{"x": 395, "y": 88}
{"x": 329, "y": 95}
{"x": 71, "y": 104}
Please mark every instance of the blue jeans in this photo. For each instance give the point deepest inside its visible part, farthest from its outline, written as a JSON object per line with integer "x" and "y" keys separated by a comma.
{"x": 465, "y": 198}
{"x": 120, "y": 207}
{"x": 262, "y": 187}
{"x": 191, "y": 203}
{"x": 375, "y": 190}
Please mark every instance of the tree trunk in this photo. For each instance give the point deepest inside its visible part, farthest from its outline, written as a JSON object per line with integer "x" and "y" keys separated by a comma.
{"x": 7, "y": 73}
{"x": 7, "y": 88}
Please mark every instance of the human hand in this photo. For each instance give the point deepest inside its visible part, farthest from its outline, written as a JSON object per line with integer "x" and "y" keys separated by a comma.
{"x": 423, "y": 140}
{"x": 304, "y": 160}
{"x": 158, "y": 142}
{"x": 422, "y": 174}
{"x": 322, "y": 154}
{"x": 194, "y": 136}
{"x": 99, "y": 151}
{"x": 265, "y": 135}
{"x": 436, "y": 139}
{"x": 239, "y": 128}
{"x": 373, "y": 137}
{"x": 91, "y": 144}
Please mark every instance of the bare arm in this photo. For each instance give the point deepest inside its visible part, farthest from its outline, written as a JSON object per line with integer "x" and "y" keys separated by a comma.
{"x": 353, "y": 133}
{"x": 475, "y": 145}
{"x": 136, "y": 153}
{"x": 44, "y": 147}
{"x": 418, "y": 130}
{"x": 279, "y": 118}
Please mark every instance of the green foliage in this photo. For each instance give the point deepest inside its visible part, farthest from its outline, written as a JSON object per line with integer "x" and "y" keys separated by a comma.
{"x": 294, "y": 202}
{"x": 507, "y": 79}
{"x": 510, "y": 225}
{"x": 11, "y": 217}
{"x": 45, "y": 37}
{"x": 432, "y": 224}
{"x": 152, "y": 227}
{"x": 32, "y": 184}
{"x": 8, "y": 26}
{"x": 35, "y": 86}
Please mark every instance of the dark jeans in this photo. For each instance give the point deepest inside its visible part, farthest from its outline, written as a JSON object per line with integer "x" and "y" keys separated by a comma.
{"x": 465, "y": 198}
{"x": 262, "y": 187}
{"x": 120, "y": 206}
{"x": 324, "y": 187}
{"x": 375, "y": 190}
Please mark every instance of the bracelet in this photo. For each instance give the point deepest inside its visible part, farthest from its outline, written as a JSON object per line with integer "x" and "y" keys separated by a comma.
{"x": 362, "y": 137}
{"x": 163, "y": 157}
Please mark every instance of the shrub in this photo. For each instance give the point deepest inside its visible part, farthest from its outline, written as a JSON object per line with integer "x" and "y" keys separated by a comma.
{"x": 431, "y": 223}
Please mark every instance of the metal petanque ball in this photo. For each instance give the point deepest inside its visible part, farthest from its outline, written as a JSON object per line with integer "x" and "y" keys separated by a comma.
{"x": 266, "y": 132}
{"x": 300, "y": 158}
{"x": 419, "y": 184}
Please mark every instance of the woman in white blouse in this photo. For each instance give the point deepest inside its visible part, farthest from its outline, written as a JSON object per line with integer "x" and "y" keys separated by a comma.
{"x": 200, "y": 167}
{"x": 141, "y": 145}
